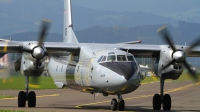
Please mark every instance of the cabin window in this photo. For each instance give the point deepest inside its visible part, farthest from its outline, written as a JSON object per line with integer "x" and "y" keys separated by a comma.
{"x": 56, "y": 68}
{"x": 61, "y": 68}
{"x": 104, "y": 58}
{"x": 130, "y": 58}
{"x": 111, "y": 58}
{"x": 100, "y": 59}
{"x": 121, "y": 58}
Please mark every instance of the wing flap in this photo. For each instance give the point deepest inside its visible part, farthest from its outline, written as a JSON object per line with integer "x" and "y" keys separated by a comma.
{"x": 56, "y": 47}
{"x": 147, "y": 51}
{"x": 142, "y": 50}
{"x": 194, "y": 52}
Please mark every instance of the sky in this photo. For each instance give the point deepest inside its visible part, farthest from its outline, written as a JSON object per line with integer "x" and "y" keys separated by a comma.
{"x": 30, "y": 11}
{"x": 188, "y": 10}
{"x": 177, "y": 9}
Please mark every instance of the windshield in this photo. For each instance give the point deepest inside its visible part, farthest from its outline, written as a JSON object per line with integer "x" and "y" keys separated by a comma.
{"x": 104, "y": 58}
{"x": 130, "y": 58}
{"x": 121, "y": 58}
{"x": 111, "y": 58}
{"x": 100, "y": 59}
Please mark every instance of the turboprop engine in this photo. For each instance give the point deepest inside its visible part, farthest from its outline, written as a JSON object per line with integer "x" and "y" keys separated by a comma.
{"x": 32, "y": 61}
{"x": 175, "y": 68}
{"x": 34, "y": 53}
{"x": 173, "y": 58}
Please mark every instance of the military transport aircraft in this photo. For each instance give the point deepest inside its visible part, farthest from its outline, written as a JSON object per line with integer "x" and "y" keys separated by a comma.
{"x": 110, "y": 69}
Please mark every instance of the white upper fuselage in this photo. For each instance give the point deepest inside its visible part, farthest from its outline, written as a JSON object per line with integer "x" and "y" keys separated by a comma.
{"x": 96, "y": 69}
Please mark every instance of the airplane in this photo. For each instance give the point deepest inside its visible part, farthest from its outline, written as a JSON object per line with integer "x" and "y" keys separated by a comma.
{"x": 109, "y": 69}
{"x": 144, "y": 70}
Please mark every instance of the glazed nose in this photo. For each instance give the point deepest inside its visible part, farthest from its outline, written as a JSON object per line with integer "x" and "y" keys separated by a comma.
{"x": 125, "y": 69}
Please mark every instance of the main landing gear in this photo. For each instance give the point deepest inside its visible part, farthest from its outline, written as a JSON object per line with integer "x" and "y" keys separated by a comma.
{"x": 120, "y": 104}
{"x": 165, "y": 100}
{"x": 27, "y": 96}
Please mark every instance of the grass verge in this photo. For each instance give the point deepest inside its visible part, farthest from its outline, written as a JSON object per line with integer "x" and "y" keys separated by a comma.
{"x": 6, "y": 96}
{"x": 183, "y": 77}
{"x": 18, "y": 83}
{"x": 11, "y": 111}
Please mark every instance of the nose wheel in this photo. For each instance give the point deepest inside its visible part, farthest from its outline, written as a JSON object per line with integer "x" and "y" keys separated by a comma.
{"x": 113, "y": 104}
{"x": 120, "y": 104}
{"x": 164, "y": 100}
{"x": 27, "y": 96}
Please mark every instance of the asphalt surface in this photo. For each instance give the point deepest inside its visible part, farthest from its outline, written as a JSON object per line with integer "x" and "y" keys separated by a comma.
{"x": 185, "y": 98}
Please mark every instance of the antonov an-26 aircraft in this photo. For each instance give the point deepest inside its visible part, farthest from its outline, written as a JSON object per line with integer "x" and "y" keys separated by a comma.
{"x": 110, "y": 69}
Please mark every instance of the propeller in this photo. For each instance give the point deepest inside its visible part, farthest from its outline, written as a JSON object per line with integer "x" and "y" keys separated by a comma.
{"x": 38, "y": 52}
{"x": 179, "y": 56}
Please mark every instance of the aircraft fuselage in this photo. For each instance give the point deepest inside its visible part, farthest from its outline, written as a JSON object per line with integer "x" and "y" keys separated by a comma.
{"x": 108, "y": 71}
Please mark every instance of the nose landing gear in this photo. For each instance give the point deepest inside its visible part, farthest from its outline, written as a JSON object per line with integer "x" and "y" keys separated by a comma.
{"x": 120, "y": 104}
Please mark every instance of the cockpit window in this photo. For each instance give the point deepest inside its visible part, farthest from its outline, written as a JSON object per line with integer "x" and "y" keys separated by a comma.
{"x": 111, "y": 58}
{"x": 104, "y": 58}
{"x": 121, "y": 58}
{"x": 130, "y": 58}
{"x": 100, "y": 59}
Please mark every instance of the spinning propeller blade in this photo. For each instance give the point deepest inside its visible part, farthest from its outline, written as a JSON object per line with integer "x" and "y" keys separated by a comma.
{"x": 163, "y": 31}
{"x": 193, "y": 45}
{"x": 43, "y": 32}
{"x": 168, "y": 64}
{"x": 179, "y": 56}
{"x": 192, "y": 72}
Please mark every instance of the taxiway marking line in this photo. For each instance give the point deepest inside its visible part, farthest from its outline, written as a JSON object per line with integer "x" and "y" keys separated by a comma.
{"x": 51, "y": 95}
{"x": 142, "y": 96}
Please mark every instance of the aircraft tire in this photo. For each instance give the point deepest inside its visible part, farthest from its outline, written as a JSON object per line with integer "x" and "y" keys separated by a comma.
{"x": 113, "y": 104}
{"x": 121, "y": 105}
{"x": 166, "y": 102}
{"x": 21, "y": 99}
{"x": 31, "y": 99}
{"x": 156, "y": 102}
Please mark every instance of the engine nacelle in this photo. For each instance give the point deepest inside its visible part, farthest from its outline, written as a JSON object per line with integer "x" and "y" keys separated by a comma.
{"x": 171, "y": 72}
{"x": 17, "y": 64}
{"x": 30, "y": 64}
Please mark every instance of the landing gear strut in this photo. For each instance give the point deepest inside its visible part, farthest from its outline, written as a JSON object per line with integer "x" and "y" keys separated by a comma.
{"x": 165, "y": 100}
{"x": 120, "y": 104}
{"x": 27, "y": 96}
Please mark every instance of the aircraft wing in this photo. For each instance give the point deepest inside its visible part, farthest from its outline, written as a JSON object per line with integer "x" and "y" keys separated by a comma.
{"x": 194, "y": 52}
{"x": 17, "y": 46}
{"x": 10, "y": 47}
{"x": 142, "y": 50}
{"x": 61, "y": 47}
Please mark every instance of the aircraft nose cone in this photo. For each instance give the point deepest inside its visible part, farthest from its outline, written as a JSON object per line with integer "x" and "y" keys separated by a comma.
{"x": 126, "y": 69}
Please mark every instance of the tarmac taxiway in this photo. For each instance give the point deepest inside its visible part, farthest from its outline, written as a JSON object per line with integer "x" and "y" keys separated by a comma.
{"x": 185, "y": 98}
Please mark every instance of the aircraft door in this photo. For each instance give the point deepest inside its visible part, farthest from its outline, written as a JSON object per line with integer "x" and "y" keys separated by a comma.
{"x": 89, "y": 70}
{"x": 86, "y": 72}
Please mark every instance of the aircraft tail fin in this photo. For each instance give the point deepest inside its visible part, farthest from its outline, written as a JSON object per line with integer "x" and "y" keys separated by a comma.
{"x": 68, "y": 33}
